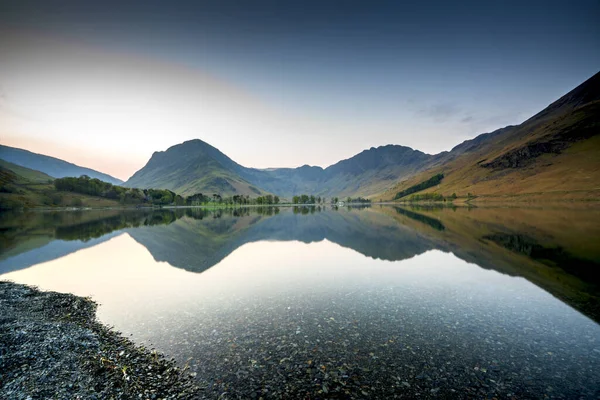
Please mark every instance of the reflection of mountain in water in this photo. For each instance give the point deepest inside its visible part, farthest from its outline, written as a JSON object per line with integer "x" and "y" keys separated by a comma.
{"x": 197, "y": 245}
{"x": 35, "y": 237}
{"x": 554, "y": 250}
{"x": 52, "y": 250}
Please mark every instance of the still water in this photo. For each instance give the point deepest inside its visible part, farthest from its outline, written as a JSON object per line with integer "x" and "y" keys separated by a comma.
{"x": 378, "y": 302}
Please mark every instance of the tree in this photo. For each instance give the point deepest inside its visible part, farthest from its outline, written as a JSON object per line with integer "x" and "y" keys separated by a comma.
{"x": 276, "y": 200}
{"x": 433, "y": 181}
{"x": 56, "y": 198}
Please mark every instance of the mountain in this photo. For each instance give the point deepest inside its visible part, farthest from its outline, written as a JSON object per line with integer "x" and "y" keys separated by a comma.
{"x": 553, "y": 155}
{"x": 54, "y": 167}
{"x": 195, "y": 166}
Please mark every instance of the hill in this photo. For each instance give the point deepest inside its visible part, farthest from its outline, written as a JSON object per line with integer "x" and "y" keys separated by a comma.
{"x": 553, "y": 155}
{"x": 22, "y": 187}
{"x": 195, "y": 166}
{"x": 10, "y": 173}
{"x": 54, "y": 167}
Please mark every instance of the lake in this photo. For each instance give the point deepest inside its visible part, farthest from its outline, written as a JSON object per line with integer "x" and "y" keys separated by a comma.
{"x": 321, "y": 302}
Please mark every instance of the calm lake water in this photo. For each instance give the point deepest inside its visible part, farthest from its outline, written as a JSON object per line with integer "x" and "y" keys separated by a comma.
{"x": 378, "y": 302}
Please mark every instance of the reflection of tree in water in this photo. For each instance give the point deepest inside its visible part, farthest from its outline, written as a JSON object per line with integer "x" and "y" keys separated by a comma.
{"x": 304, "y": 210}
{"x": 432, "y": 222}
{"x": 73, "y": 226}
{"x": 268, "y": 211}
{"x": 556, "y": 255}
{"x": 96, "y": 228}
{"x": 201, "y": 213}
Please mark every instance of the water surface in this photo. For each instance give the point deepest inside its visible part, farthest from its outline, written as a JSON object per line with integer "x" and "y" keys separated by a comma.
{"x": 377, "y": 302}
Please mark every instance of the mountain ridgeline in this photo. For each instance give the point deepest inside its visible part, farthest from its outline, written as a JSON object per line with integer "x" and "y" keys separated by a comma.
{"x": 195, "y": 166}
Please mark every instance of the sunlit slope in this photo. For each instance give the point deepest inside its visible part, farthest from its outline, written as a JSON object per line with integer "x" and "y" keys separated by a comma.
{"x": 553, "y": 155}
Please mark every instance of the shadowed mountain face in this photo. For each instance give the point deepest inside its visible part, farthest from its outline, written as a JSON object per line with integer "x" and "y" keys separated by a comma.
{"x": 555, "y": 249}
{"x": 54, "y": 167}
{"x": 195, "y": 166}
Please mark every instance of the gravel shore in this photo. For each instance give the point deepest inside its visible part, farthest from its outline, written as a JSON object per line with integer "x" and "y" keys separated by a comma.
{"x": 52, "y": 346}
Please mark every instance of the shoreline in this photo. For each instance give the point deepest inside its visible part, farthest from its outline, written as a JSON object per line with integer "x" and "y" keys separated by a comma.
{"x": 52, "y": 346}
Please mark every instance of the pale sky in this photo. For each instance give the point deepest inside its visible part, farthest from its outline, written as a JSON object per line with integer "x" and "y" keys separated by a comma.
{"x": 277, "y": 85}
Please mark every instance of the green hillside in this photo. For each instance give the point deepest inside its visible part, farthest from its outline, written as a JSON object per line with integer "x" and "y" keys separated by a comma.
{"x": 23, "y": 174}
{"x": 22, "y": 187}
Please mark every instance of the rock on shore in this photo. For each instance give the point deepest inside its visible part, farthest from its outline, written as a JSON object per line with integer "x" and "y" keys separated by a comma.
{"x": 52, "y": 346}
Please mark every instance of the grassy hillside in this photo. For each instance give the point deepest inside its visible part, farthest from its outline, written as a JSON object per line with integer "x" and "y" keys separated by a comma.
{"x": 24, "y": 187}
{"x": 552, "y": 156}
{"x": 23, "y": 173}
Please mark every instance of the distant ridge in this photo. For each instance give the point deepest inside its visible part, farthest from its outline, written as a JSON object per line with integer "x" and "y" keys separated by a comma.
{"x": 52, "y": 166}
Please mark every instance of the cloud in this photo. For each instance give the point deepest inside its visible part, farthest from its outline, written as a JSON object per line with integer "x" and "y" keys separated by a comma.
{"x": 439, "y": 112}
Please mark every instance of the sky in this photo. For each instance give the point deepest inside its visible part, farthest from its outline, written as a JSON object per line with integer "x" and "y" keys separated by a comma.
{"x": 280, "y": 83}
